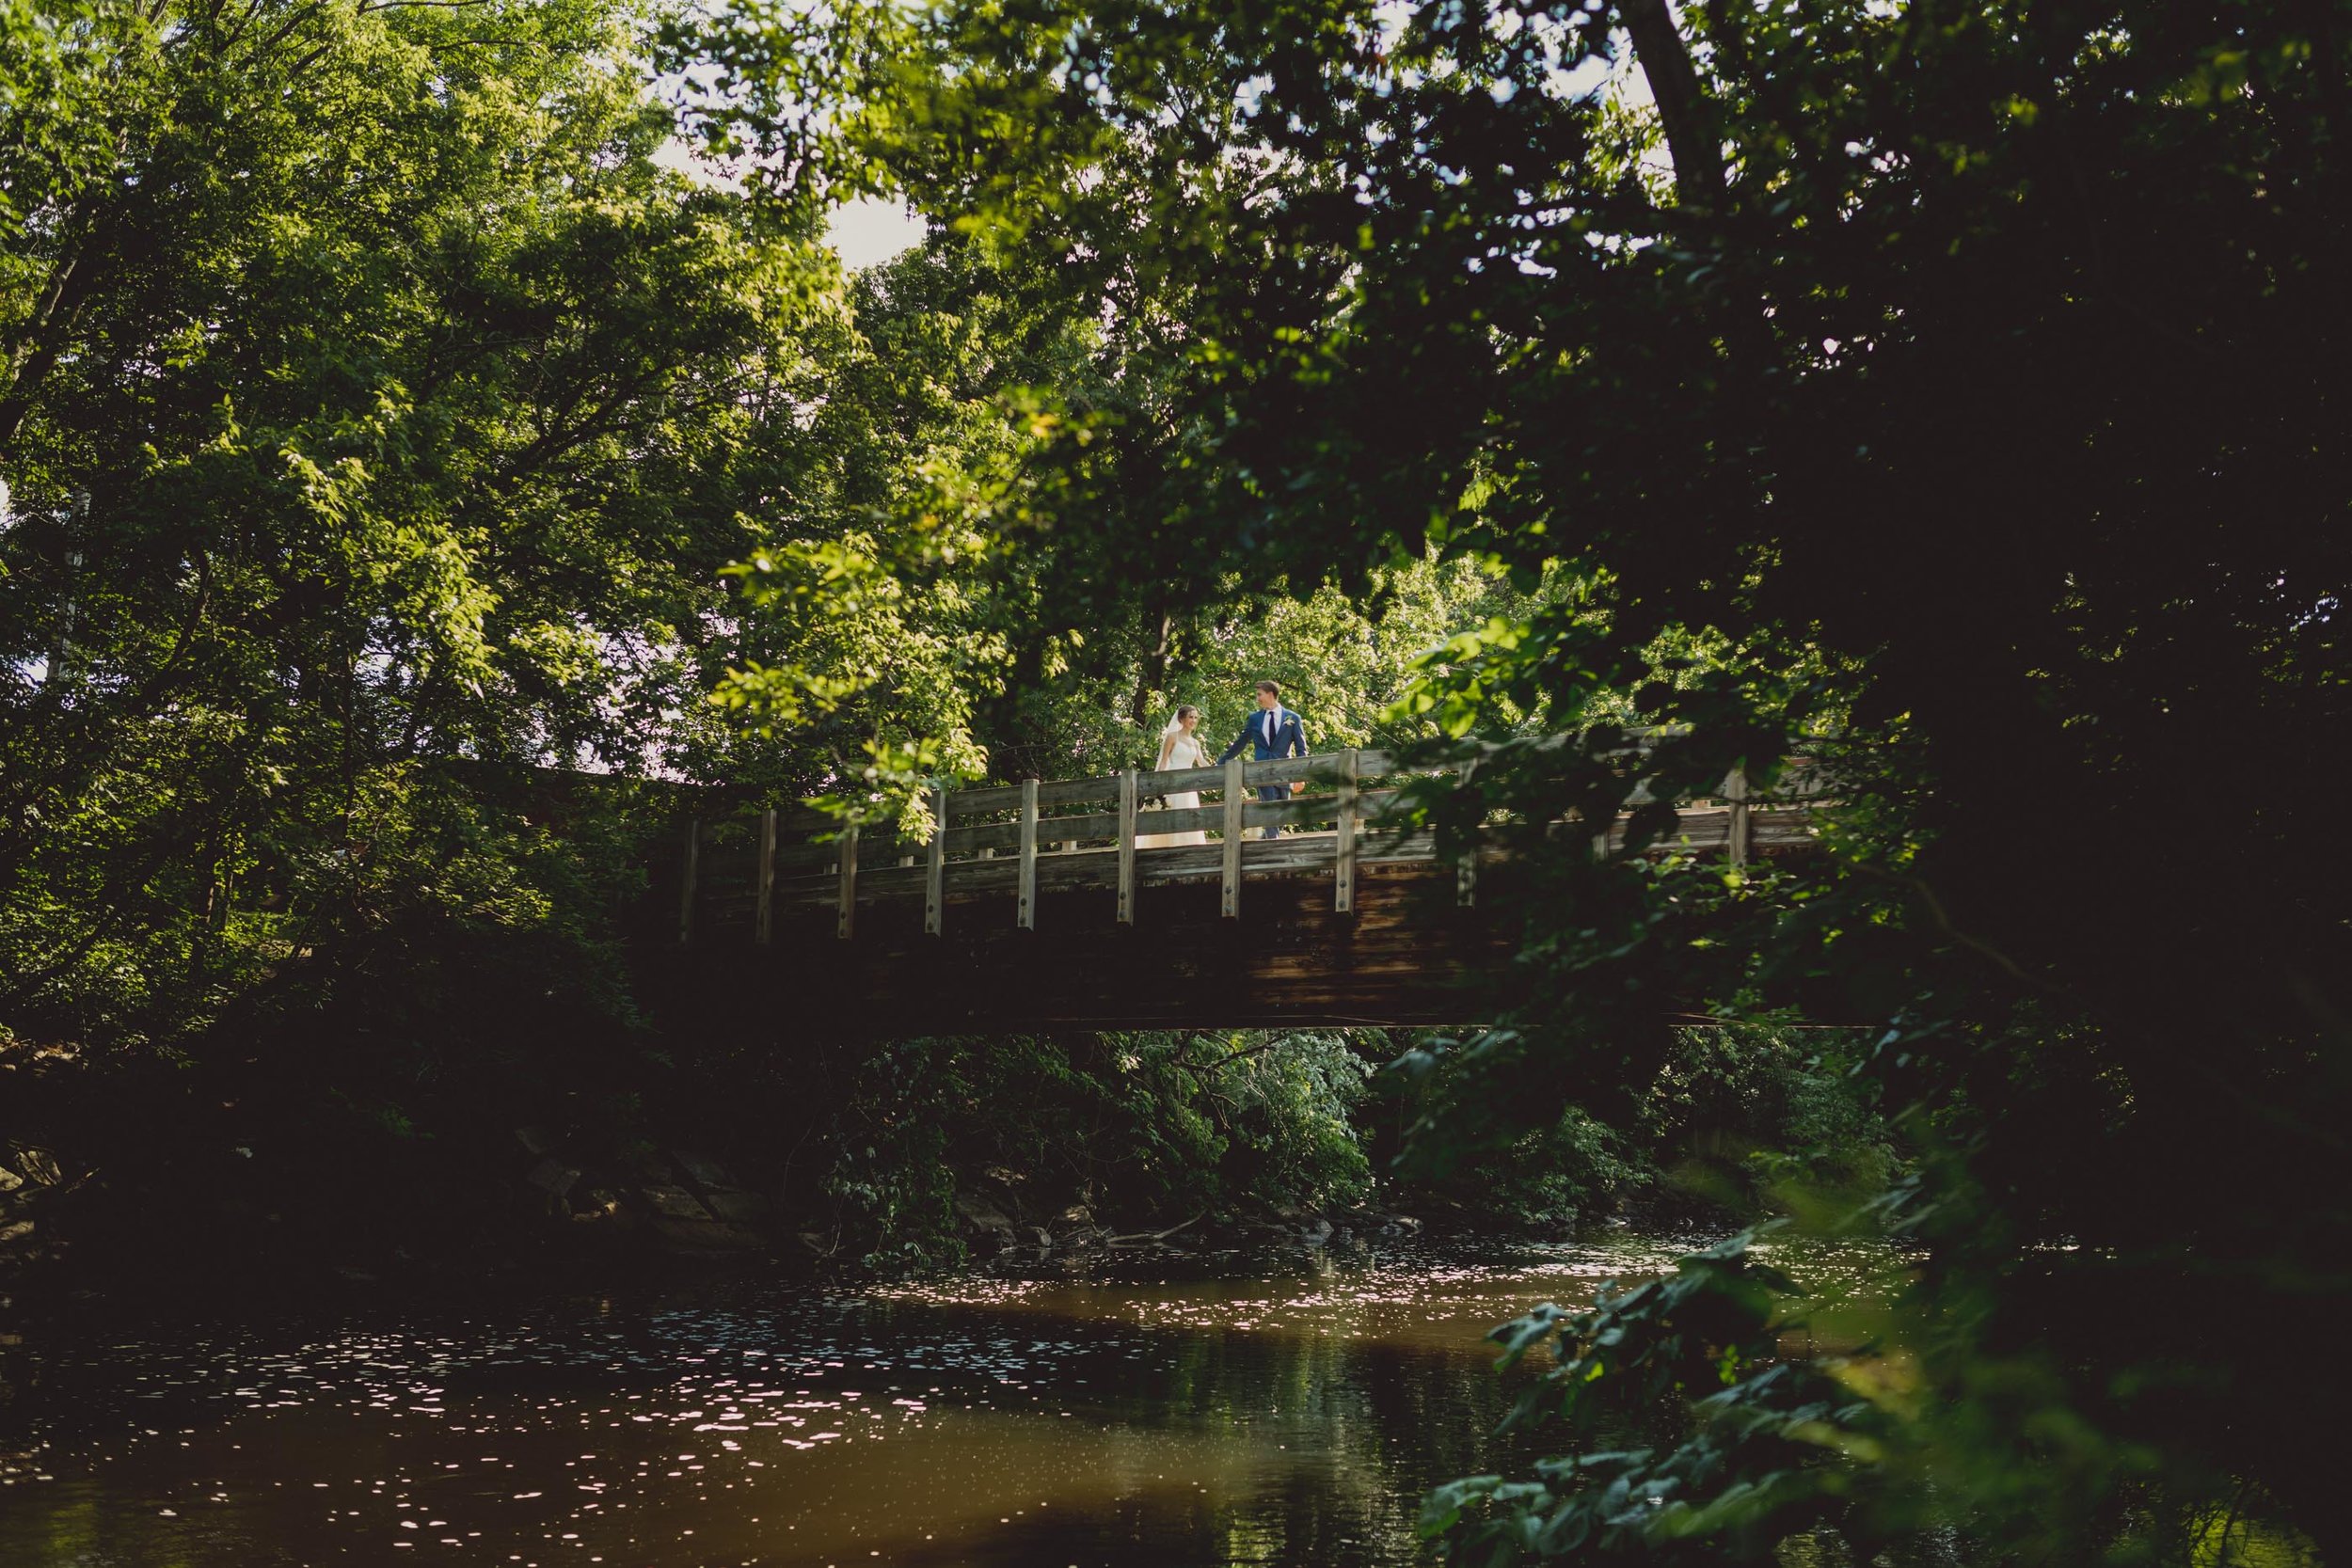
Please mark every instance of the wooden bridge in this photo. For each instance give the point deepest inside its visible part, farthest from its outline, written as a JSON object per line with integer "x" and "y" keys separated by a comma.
{"x": 1045, "y": 905}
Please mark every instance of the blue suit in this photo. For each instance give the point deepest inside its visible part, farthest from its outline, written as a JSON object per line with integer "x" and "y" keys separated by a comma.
{"x": 1271, "y": 733}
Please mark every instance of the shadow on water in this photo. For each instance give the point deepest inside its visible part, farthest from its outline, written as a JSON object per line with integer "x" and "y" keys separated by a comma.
{"x": 1281, "y": 1410}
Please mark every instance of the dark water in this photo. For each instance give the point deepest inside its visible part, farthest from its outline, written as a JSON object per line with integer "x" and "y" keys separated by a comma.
{"x": 1291, "y": 1414}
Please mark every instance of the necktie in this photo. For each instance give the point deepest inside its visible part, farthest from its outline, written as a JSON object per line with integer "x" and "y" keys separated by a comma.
{"x": 1269, "y": 729}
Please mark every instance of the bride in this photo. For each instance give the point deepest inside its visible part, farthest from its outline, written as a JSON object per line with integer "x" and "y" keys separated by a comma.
{"x": 1178, "y": 748}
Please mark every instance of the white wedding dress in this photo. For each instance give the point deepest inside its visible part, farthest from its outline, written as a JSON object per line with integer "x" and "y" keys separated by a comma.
{"x": 1177, "y": 749}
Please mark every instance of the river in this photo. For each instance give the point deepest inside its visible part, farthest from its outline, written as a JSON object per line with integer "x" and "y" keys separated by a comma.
{"x": 1287, "y": 1410}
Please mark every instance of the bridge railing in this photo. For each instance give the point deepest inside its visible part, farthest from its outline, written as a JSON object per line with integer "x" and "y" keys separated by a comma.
{"x": 1052, "y": 835}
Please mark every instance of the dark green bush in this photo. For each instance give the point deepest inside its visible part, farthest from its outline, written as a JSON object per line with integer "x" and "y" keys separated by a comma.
{"x": 1141, "y": 1129}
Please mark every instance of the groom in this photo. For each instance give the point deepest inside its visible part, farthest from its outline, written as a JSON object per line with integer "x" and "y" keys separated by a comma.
{"x": 1271, "y": 731}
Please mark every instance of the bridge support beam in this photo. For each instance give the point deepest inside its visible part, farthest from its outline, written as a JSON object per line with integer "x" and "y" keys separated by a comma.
{"x": 845, "y": 921}
{"x": 765, "y": 924}
{"x": 935, "y": 873}
{"x": 1024, "y": 914}
{"x": 1127, "y": 804}
{"x": 1235, "y": 796}
{"x": 1466, "y": 869}
{"x": 1343, "y": 852}
{"x": 1736, "y": 791}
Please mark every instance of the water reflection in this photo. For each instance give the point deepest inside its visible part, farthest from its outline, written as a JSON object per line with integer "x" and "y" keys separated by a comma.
{"x": 1243, "y": 1416}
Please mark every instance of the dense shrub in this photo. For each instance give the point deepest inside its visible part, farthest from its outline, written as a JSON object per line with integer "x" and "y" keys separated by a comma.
{"x": 1734, "y": 1121}
{"x": 1139, "y": 1129}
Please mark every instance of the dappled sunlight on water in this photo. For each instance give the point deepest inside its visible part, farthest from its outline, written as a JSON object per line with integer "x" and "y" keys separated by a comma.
{"x": 1287, "y": 1410}
{"x": 1404, "y": 1300}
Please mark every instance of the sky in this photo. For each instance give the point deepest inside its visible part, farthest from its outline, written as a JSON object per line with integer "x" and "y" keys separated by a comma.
{"x": 863, "y": 233}
{"x": 867, "y": 233}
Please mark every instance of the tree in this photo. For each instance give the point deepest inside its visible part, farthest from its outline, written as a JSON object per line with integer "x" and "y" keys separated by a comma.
{"x": 380, "y": 408}
{"x": 932, "y": 588}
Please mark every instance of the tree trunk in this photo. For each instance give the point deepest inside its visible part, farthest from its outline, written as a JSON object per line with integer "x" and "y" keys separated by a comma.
{"x": 1152, "y": 677}
{"x": 1693, "y": 139}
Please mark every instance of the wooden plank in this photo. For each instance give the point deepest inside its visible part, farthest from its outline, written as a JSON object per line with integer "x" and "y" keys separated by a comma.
{"x": 1025, "y": 911}
{"x": 1370, "y": 804}
{"x": 845, "y": 893}
{"x": 804, "y": 819}
{"x": 1231, "y": 868}
{"x": 1697, "y": 827}
{"x": 686, "y": 883}
{"x": 1171, "y": 781}
{"x": 1322, "y": 770}
{"x": 791, "y": 858}
{"x": 1079, "y": 792}
{"x": 965, "y": 804}
{"x": 1736, "y": 791}
{"x": 1181, "y": 819}
{"x": 935, "y": 868}
{"x": 765, "y": 928}
{"x": 1343, "y": 854}
{"x": 1783, "y": 829}
{"x": 978, "y": 802}
{"x": 1127, "y": 794}
{"x": 985, "y": 838}
{"x": 1103, "y": 826}
{"x": 876, "y": 848}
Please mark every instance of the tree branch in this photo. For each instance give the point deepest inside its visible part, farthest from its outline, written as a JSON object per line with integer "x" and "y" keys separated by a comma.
{"x": 1693, "y": 139}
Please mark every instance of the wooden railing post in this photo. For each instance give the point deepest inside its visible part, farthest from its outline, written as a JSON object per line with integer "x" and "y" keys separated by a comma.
{"x": 1736, "y": 791}
{"x": 846, "y": 898}
{"x": 1026, "y": 916}
{"x": 686, "y": 881}
{"x": 1466, "y": 869}
{"x": 1343, "y": 852}
{"x": 935, "y": 876}
{"x": 1127, "y": 793}
{"x": 1234, "y": 798}
{"x": 765, "y": 923}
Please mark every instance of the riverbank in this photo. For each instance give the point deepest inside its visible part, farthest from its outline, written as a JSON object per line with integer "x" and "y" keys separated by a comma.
{"x": 148, "y": 1187}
